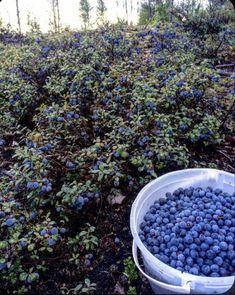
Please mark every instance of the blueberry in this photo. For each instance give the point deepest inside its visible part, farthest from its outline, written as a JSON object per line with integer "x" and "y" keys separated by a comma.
{"x": 2, "y": 142}
{"x": 51, "y": 242}
{"x": 181, "y": 247}
{"x": 216, "y": 249}
{"x": 214, "y": 268}
{"x": 217, "y": 191}
{"x": 54, "y": 231}
{"x": 202, "y": 254}
{"x": 188, "y": 239}
{"x": 231, "y": 254}
{"x": 29, "y": 280}
{"x": 194, "y": 254}
{"x": 214, "y": 274}
{"x": 189, "y": 261}
{"x": 164, "y": 258}
{"x": 70, "y": 165}
{"x": 218, "y": 260}
{"x": 223, "y": 254}
{"x": 35, "y": 184}
{"x": 200, "y": 261}
{"x": 223, "y": 246}
{"x": 10, "y": 222}
{"x": 173, "y": 249}
{"x": 182, "y": 224}
{"x": 210, "y": 254}
{"x": 44, "y": 188}
{"x": 173, "y": 210}
{"x": 173, "y": 263}
{"x": 223, "y": 272}
{"x": 23, "y": 243}
{"x": 167, "y": 238}
{"x": 142, "y": 237}
{"x": 155, "y": 249}
{"x": 193, "y": 271}
{"x": 230, "y": 247}
{"x": 2, "y": 214}
{"x": 209, "y": 240}
{"x": 204, "y": 246}
{"x": 205, "y": 269}
{"x": 202, "y": 193}
{"x": 3, "y": 265}
{"x": 33, "y": 215}
{"x": 30, "y": 185}
{"x": 181, "y": 257}
{"x": 62, "y": 230}
{"x": 179, "y": 264}
{"x": 193, "y": 246}
{"x": 152, "y": 232}
{"x": 230, "y": 239}
{"x": 43, "y": 232}
{"x": 228, "y": 222}
{"x": 45, "y": 161}
{"x": 186, "y": 251}
{"x": 146, "y": 229}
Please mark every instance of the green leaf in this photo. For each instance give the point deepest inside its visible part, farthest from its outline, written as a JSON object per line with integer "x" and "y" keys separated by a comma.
{"x": 100, "y": 177}
{"x": 78, "y": 288}
{"x": 31, "y": 247}
{"x": 3, "y": 245}
{"x": 23, "y": 276}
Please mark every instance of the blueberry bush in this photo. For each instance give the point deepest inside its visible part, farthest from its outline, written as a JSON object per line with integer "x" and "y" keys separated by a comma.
{"x": 88, "y": 115}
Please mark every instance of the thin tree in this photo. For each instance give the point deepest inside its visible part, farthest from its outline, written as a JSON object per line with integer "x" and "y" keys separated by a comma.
{"x": 131, "y": 6}
{"x": 101, "y": 9}
{"x": 126, "y": 9}
{"x": 53, "y": 3}
{"x": 18, "y": 15}
{"x": 150, "y": 9}
{"x": 85, "y": 11}
{"x": 58, "y": 14}
{"x": 138, "y": 6}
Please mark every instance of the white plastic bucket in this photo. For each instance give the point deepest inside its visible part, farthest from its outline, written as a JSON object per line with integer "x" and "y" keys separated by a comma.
{"x": 163, "y": 278}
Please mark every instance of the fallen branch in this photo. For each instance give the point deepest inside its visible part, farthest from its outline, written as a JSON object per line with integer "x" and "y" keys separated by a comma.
{"x": 225, "y": 65}
{"x": 225, "y": 155}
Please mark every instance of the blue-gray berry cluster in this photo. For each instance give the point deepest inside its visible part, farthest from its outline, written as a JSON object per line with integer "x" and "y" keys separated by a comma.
{"x": 193, "y": 230}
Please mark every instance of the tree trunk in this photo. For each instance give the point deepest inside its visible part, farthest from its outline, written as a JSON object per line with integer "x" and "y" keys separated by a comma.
{"x": 58, "y": 14}
{"x": 18, "y": 15}
{"x": 126, "y": 7}
{"x": 54, "y": 14}
{"x": 150, "y": 9}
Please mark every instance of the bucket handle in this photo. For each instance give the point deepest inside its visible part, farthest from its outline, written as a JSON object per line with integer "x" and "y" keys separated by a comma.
{"x": 185, "y": 289}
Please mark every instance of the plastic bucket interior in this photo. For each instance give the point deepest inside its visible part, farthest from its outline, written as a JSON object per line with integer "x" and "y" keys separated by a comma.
{"x": 163, "y": 278}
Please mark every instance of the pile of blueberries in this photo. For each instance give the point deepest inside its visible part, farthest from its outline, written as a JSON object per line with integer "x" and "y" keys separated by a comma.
{"x": 193, "y": 230}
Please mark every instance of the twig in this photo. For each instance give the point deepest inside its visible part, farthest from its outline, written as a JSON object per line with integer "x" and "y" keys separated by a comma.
{"x": 232, "y": 168}
{"x": 226, "y": 156}
{"x": 5, "y": 163}
{"x": 225, "y": 65}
